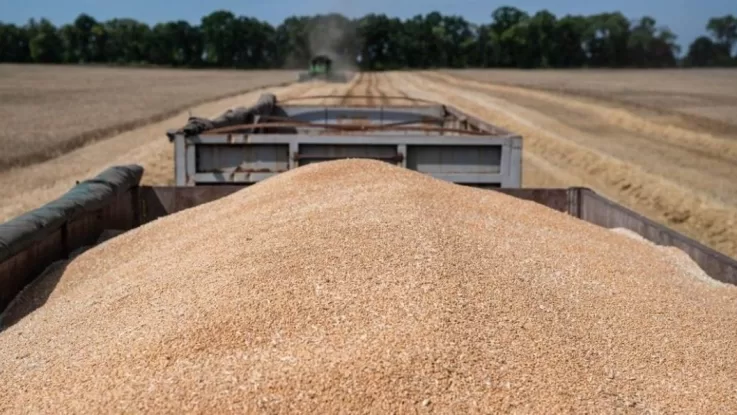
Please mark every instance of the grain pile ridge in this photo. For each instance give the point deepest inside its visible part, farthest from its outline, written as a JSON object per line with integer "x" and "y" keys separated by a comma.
{"x": 355, "y": 285}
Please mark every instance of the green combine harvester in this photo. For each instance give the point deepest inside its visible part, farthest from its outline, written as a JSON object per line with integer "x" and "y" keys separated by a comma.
{"x": 321, "y": 67}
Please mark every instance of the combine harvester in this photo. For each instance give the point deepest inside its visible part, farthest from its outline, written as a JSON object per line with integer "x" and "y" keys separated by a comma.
{"x": 321, "y": 68}
{"x": 214, "y": 158}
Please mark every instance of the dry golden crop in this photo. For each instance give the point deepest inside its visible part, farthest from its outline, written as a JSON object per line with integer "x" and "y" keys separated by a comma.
{"x": 705, "y": 98}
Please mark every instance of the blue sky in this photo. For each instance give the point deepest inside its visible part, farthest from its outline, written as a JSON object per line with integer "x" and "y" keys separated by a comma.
{"x": 687, "y": 18}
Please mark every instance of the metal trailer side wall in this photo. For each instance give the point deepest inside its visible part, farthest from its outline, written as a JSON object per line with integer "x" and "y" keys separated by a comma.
{"x": 594, "y": 208}
{"x": 486, "y": 156}
{"x": 33, "y": 241}
{"x": 247, "y": 159}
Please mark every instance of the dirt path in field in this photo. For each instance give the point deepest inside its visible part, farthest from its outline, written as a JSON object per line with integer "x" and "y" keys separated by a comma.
{"x": 676, "y": 176}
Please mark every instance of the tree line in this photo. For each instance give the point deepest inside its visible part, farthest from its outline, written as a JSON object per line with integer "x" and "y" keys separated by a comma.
{"x": 511, "y": 39}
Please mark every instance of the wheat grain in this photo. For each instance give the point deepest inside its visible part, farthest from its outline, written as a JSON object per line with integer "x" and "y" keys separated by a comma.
{"x": 359, "y": 286}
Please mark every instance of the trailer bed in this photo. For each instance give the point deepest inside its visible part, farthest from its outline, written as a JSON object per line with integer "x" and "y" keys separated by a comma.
{"x": 115, "y": 201}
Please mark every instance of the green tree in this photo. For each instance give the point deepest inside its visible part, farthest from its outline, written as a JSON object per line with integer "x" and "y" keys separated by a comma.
{"x": 541, "y": 39}
{"x": 510, "y": 32}
{"x": 98, "y": 45}
{"x": 46, "y": 44}
{"x": 175, "y": 43}
{"x": 511, "y": 38}
{"x": 254, "y": 42}
{"x": 724, "y": 30}
{"x": 219, "y": 30}
{"x": 293, "y": 43}
{"x": 568, "y": 40}
{"x": 606, "y": 40}
{"x": 703, "y": 52}
{"x": 127, "y": 41}
{"x": 14, "y": 44}
{"x": 383, "y": 46}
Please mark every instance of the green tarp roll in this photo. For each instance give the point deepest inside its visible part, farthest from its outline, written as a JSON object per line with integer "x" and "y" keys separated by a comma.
{"x": 89, "y": 195}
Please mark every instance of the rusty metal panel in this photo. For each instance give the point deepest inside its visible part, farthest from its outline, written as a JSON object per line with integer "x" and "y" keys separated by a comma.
{"x": 553, "y": 198}
{"x": 242, "y": 158}
{"x": 455, "y": 159}
{"x": 158, "y": 201}
{"x": 603, "y": 212}
{"x": 123, "y": 211}
{"x": 514, "y": 158}
{"x": 22, "y": 268}
{"x": 368, "y": 138}
{"x": 370, "y": 115}
{"x": 475, "y": 152}
{"x": 180, "y": 160}
{"x": 82, "y": 230}
{"x": 313, "y": 153}
{"x": 460, "y": 159}
{"x": 475, "y": 123}
{"x": 85, "y": 230}
{"x": 234, "y": 177}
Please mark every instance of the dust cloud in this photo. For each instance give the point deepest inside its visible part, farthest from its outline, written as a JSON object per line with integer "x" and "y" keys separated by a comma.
{"x": 334, "y": 36}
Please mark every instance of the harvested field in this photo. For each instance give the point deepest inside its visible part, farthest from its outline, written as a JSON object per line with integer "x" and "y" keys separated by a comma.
{"x": 706, "y": 98}
{"x": 29, "y": 187}
{"x": 49, "y": 110}
{"x": 26, "y": 188}
{"x": 359, "y": 286}
{"x": 678, "y": 174}
{"x": 673, "y": 168}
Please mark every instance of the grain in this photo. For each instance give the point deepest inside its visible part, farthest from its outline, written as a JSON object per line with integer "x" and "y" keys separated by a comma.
{"x": 675, "y": 256}
{"x": 358, "y": 286}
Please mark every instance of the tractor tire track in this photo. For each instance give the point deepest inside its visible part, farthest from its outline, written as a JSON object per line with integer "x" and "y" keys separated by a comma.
{"x": 370, "y": 89}
{"x": 391, "y": 79}
{"x": 358, "y": 80}
{"x": 378, "y": 91}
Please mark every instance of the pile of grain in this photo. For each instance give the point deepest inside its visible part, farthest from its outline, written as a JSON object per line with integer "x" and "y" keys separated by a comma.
{"x": 674, "y": 256}
{"x": 356, "y": 285}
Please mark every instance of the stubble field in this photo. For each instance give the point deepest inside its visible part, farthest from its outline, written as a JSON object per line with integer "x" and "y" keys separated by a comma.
{"x": 47, "y": 111}
{"x": 660, "y": 142}
{"x": 706, "y": 98}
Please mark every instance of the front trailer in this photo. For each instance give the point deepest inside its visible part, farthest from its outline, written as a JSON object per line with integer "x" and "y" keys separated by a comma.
{"x": 426, "y": 137}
